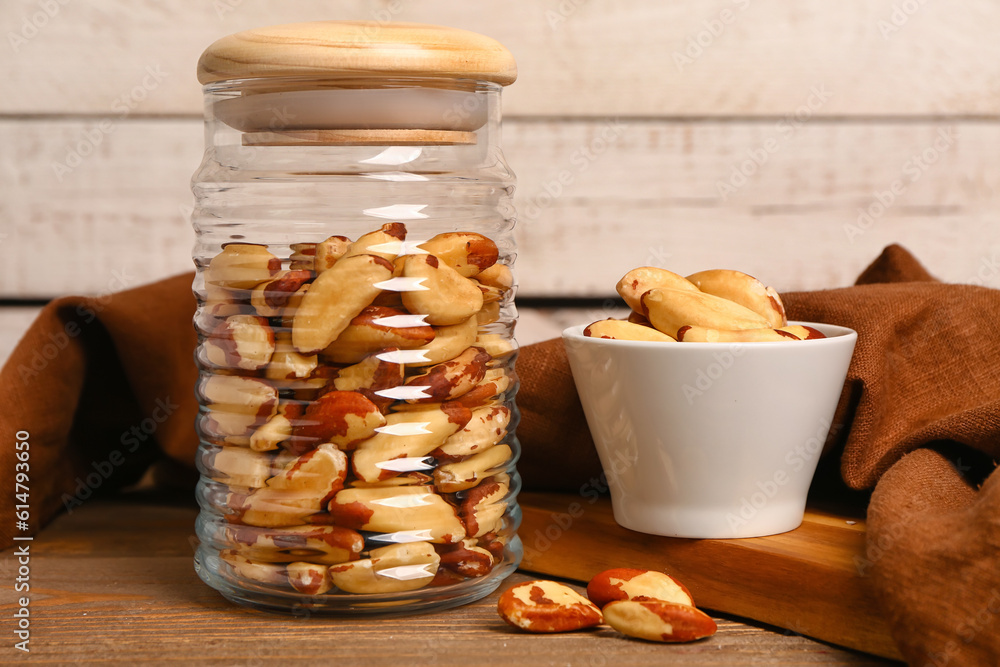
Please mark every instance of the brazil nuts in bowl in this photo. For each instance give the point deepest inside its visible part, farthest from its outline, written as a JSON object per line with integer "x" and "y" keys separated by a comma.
{"x": 708, "y": 412}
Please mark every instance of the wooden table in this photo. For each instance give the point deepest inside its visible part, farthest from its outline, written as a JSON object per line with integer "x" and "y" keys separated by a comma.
{"x": 114, "y": 582}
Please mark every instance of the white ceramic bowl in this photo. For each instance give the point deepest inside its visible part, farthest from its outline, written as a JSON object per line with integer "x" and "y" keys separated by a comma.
{"x": 710, "y": 440}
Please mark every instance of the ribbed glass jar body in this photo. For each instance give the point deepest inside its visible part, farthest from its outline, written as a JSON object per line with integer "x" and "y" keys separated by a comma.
{"x": 356, "y": 352}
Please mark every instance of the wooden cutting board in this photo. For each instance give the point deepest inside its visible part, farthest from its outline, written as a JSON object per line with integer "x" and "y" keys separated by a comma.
{"x": 809, "y": 580}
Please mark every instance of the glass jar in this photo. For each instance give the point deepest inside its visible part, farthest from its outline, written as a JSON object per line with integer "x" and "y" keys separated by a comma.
{"x": 355, "y": 319}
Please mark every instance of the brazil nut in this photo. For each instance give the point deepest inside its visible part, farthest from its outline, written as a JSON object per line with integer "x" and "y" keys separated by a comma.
{"x": 416, "y": 509}
{"x": 390, "y": 569}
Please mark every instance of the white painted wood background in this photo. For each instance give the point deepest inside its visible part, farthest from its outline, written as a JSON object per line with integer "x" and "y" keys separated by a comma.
{"x": 844, "y": 99}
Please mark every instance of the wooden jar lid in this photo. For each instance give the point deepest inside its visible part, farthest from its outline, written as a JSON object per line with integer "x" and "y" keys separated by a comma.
{"x": 348, "y": 49}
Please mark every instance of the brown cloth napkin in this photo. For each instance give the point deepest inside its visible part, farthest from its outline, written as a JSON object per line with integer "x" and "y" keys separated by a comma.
{"x": 104, "y": 386}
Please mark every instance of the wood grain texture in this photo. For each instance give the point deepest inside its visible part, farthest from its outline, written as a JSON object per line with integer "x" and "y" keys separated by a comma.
{"x": 357, "y": 49}
{"x": 746, "y": 57}
{"x": 116, "y": 219}
{"x": 595, "y": 199}
{"x": 807, "y": 217}
{"x": 114, "y": 581}
{"x": 805, "y": 580}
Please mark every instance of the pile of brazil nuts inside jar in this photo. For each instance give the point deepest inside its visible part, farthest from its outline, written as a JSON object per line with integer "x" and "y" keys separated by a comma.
{"x": 356, "y": 411}
{"x": 645, "y": 604}
{"x": 716, "y": 306}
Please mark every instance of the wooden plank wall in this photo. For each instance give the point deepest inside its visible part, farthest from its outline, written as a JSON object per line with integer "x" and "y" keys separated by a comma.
{"x": 690, "y": 134}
